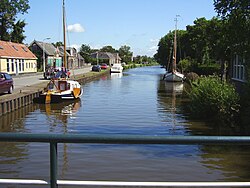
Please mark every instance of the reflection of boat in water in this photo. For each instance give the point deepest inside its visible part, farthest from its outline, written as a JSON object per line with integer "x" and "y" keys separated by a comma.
{"x": 62, "y": 109}
{"x": 169, "y": 98}
{"x": 116, "y": 75}
{"x": 174, "y": 88}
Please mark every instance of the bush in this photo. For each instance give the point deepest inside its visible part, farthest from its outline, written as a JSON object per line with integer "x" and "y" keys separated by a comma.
{"x": 210, "y": 98}
{"x": 207, "y": 69}
{"x": 185, "y": 65}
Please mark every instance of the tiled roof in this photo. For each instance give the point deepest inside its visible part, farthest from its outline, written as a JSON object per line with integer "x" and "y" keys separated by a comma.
{"x": 48, "y": 48}
{"x": 15, "y": 50}
{"x": 105, "y": 55}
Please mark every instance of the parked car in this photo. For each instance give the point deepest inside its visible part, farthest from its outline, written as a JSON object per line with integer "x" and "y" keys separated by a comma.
{"x": 96, "y": 68}
{"x": 104, "y": 66}
{"x": 6, "y": 83}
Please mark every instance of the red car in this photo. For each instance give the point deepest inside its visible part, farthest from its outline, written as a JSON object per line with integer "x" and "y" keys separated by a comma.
{"x": 104, "y": 66}
{"x": 6, "y": 83}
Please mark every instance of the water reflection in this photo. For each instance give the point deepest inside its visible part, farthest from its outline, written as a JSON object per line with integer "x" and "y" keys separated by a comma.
{"x": 116, "y": 75}
{"x": 66, "y": 108}
{"x": 14, "y": 121}
{"x": 169, "y": 100}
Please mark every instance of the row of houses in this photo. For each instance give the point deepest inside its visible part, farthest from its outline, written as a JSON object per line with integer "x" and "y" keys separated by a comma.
{"x": 18, "y": 58}
{"x": 53, "y": 56}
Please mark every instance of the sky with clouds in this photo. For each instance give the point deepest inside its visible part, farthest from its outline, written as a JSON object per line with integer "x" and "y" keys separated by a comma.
{"x": 97, "y": 23}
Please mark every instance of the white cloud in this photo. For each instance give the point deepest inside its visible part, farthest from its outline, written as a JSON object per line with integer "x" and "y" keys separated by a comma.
{"x": 154, "y": 40}
{"x": 76, "y": 46}
{"x": 76, "y": 28}
{"x": 153, "y": 48}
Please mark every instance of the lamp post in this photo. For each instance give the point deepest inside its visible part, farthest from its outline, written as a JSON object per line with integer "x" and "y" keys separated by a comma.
{"x": 97, "y": 57}
{"x": 44, "y": 54}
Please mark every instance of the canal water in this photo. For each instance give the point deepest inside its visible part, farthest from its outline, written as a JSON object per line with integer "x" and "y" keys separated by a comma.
{"x": 135, "y": 102}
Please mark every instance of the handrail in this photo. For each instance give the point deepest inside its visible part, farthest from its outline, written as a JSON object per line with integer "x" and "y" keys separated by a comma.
{"x": 124, "y": 139}
{"x": 54, "y": 139}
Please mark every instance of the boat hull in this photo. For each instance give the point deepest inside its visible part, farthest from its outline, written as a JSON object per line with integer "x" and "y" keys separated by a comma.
{"x": 174, "y": 77}
{"x": 116, "y": 68}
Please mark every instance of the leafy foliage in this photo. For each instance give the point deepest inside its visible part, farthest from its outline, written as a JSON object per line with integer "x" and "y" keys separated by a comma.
{"x": 108, "y": 49}
{"x": 85, "y": 52}
{"x": 125, "y": 53}
{"x": 9, "y": 28}
{"x": 236, "y": 16}
{"x": 213, "y": 99}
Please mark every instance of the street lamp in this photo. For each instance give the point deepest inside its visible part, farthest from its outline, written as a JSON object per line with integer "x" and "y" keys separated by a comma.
{"x": 97, "y": 57}
{"x": 44, "y": 54}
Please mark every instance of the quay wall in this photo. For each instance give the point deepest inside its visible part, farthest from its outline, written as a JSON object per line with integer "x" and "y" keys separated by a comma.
{"x": 24, "y": 97}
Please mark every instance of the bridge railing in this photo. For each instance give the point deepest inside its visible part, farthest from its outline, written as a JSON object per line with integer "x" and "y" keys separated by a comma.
{"x": 54, "y": 139}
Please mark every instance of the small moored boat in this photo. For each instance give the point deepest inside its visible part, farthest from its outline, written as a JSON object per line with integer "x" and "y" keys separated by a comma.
{"x": 116, "y": 68}
{"x": 59, "y": 90}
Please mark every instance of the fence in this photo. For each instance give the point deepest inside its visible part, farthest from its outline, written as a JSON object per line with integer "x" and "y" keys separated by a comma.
{"x": 54, "y": 139}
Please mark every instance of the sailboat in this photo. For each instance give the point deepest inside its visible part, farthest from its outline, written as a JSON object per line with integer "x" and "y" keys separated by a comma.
{"x": 61, "y": 88}
{"x": 174, "y": 76}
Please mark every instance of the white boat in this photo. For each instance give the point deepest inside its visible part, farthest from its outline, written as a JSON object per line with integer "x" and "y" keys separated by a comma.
{"x": 174, "y": 76}
{"x": 116, "y": 68}
{"x": 61, "y": 88}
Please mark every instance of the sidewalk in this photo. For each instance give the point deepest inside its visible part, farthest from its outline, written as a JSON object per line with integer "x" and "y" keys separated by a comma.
{"x": 23, "y": 81}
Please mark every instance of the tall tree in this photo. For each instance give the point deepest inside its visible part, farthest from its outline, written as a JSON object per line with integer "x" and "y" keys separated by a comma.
{"x": 85, "y": 52}
{"x": 108, "y": 49}
{"x": 17, "y": 33}
{"x": 125, "y": 53}
{"x": 236, "y": 16}
{"x": 9, "y": 9}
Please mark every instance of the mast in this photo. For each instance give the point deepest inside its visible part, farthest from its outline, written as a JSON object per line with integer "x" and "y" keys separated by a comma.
{"x": 64, "y": 38}
{"x": 175, "y": 44}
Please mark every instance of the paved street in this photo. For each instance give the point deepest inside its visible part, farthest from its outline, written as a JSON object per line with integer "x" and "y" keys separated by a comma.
{"x": 23, "y": 81}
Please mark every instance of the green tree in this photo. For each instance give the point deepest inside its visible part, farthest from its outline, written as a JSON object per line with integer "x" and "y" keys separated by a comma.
{"x": 9, "y": 9}
{"x": 108, "y": 49}
{"x": 164, "y": 54}
{"x": 236, "y": 16}
{"x": 85, "y": 52}
{"x": 17, "y": 33}
{"x": 125, "y": 53}
{"x": 165, "y": 49}
{"x": 57, "y": 44}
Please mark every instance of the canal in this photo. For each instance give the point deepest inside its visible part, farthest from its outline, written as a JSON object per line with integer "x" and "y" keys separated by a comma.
{"x": 135, "y": 102}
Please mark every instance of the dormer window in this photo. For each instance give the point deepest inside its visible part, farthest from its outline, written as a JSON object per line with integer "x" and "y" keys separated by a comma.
{"x": 24, "y": 49}
{"x": 15, "y": 47}
{"x": 1, "y": 48}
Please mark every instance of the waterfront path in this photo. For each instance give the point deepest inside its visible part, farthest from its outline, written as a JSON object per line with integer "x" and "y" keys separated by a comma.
{"x": 26, "y": 82}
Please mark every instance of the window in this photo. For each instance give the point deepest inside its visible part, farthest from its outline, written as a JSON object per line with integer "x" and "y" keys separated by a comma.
{"x": 15, "y": 47}
{"x": 20, "y": 65}
{"x": 12, "y": 65}
{"x": 8, "y": 65}
{"x": 24, "y": 49}
{"x": 239, "y": 68}
{"x": 23, "y": 64}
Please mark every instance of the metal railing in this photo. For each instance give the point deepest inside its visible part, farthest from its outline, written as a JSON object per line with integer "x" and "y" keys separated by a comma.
{"x": 54, "y": 139}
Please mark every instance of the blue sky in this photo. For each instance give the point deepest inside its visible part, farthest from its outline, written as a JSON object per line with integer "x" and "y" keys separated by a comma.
{"x": 136, "y": 23}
